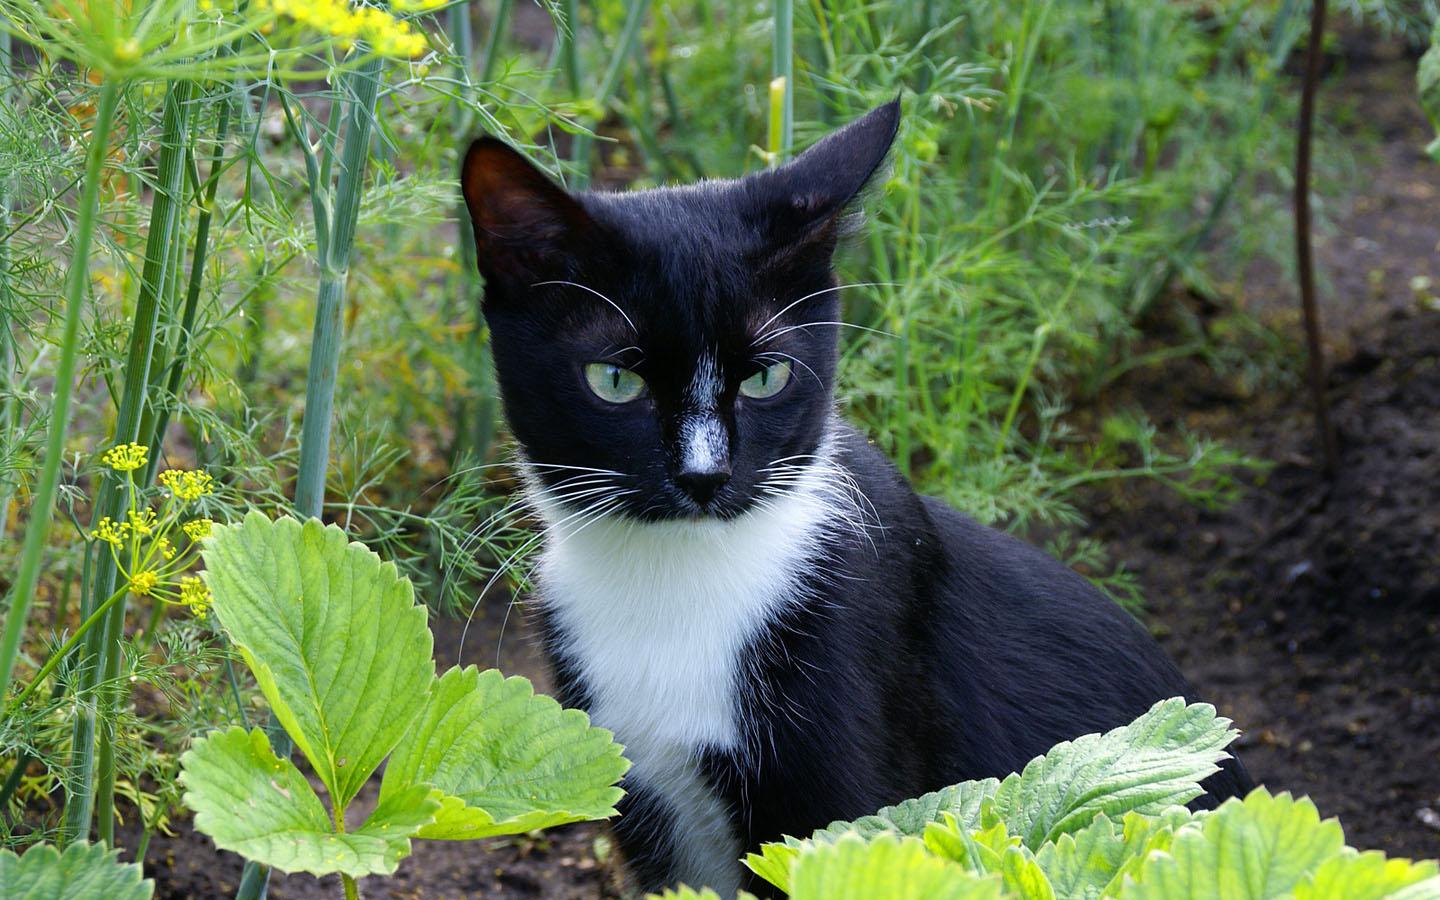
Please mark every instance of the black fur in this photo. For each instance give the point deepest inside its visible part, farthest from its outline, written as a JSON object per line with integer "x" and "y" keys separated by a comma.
{"x": 943, "y": 652}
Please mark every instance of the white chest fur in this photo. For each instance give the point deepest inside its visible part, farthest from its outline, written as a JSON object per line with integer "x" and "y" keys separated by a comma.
{"x": 656, "y": 617}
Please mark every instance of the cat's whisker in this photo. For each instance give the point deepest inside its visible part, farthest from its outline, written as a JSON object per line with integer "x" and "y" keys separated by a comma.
{"x": 596, "y": 510}
{"x": 596, "y": 293}
{"x": 779, "y": 332}
{"x": 839, "y": 287}
{"x": 796, "y": 360}
{"x": 506, "y": 566}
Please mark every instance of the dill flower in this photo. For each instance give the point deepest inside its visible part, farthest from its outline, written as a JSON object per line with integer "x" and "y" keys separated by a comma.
{"x": 195, "y": 529}
{"x": 143, "y": 522}
{"x": 126, "y": 457}
{"x": 194, "y": 594}
{"x": 110, "y": 532}
{"x": 167, "y": 548}
{"x": 187, "y": 485}
{"x": 388, "y": 35}
{"x": 142, "y": 583}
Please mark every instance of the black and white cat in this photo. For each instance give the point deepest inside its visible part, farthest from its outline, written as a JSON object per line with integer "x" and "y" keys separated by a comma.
{"x": 778, "y": 629}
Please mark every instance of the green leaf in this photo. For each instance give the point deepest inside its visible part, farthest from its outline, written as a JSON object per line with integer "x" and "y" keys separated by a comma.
{"x": 1425, "y": 890}
{"x": 1092, "y": 862}
{"x": 1364, "y": 876}
{"x": 1081, "y": 864}
{"x": 505, "y": 759}
{"x": 910, "y": 818}
{"x": 774, "y": 862}
{"x": 1155, "y": 762}
{"x": 885, "y": 868}
{"x": 82, "y": 872}
{"x": 959, "y": 801}
{"x": 1254, "y": 849}
{"x": 332, "y": 634}
{"x": 1427, "y": 78}
{"x": 254, "y": 803}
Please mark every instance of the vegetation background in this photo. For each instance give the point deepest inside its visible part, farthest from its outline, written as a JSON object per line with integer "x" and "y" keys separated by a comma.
{"x": 1073, "y": 294}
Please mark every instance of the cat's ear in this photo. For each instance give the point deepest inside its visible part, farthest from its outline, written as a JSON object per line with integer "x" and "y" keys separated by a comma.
{"x": 803, "y": 201}
{"x": 525, "y": 225}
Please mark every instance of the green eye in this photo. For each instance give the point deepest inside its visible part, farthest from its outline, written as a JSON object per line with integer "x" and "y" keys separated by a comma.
{"x": 767, "y": 382}
{"x": 614, "y": 384}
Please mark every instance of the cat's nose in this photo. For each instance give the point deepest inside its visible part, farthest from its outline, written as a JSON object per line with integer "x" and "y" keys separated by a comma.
{"x": 702, "y": 483}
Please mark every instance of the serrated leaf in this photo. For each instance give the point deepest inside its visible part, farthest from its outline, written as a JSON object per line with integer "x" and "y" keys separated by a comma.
{"x": 886, "y": 867}
{"x": 775, "y": 861}
{"x": 333, "y": 635}
{"x": 961, "y": 800}
{"x": 1022, "y": 877}
{"x": 1363, "y": 876}
{"x": 1080, "y": 865}
{"x": 958, "y": 802}
{"x": 507, "y": 760}
{"x": 1255, "y": 849}
{"x": 251, "y": 802}
{"x": 82, "y": 872}
{"x": 1154, "y": 762}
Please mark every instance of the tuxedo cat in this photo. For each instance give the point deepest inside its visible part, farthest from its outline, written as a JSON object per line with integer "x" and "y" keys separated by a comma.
{"x": 734, "y": 580}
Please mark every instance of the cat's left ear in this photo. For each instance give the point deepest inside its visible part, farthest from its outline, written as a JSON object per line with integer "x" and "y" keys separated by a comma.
{"x": 803, "y": 201}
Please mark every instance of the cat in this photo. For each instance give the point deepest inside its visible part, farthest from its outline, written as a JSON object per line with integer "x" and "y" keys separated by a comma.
{"x": 734, "y": 580}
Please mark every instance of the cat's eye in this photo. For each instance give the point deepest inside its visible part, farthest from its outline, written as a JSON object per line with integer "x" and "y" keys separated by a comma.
{"x": 614, "y": 384}
{"x": 767, "y": 382}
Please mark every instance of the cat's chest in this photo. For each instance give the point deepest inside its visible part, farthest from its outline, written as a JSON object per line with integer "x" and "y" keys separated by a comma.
{"x": 655, "y": 619}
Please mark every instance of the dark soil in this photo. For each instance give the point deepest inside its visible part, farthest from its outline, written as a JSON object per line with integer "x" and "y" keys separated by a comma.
{"x": 1309, "y": 612}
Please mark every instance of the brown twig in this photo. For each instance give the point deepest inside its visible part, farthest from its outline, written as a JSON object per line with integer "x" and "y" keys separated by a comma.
{"x": 1304, "y": 257}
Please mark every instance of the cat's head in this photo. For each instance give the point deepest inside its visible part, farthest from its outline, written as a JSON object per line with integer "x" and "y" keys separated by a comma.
{"x": 668, "y": 353}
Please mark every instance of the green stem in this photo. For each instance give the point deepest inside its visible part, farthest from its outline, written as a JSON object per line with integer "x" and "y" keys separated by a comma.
{"x": 334, "y": 251}
{"x": 102, "y": 659}
{"x": 58, "y": 656}
{"x": 629, "y": 35}
{"x": 782, "y": 69}
{"x": 77, "y": 280}
{"x": 9, "y": 374}
{"x": 498, "y": 26}
{"x": 192, "y": 291}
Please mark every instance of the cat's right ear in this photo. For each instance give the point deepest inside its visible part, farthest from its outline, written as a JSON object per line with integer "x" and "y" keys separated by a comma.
{"x": 525, "y": 225}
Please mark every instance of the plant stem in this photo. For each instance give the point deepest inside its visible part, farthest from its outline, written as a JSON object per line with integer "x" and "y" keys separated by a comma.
{"x": 9, "y": 374}
{"x": 96, "y": 784}
{"x": 496, "y": 37}
{"x": 1304, "y": 255}
{"x": 334, "y": 269}
{"x": 782, "y": 70}
{"x": 629, "y": 34}
{"x": 77, "y": 280}
{"x": 192, "y": 292}
{"x": 335, "y": 238}
{"x": 59, "y": 655}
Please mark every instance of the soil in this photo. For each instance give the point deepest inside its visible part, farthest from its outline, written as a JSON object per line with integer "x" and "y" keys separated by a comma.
{"x": 1309, "y": 611}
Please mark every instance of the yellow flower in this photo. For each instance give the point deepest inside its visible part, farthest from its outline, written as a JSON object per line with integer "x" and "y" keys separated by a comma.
{"x": 142, "y": 583}
{"x": 195, "y": 529}
{"x": 195, "y": 595}
{"x": 167, "y": 549}
{"x": 126, "y": 457}
{"x": 111, "y": 533}
{"x": 388, "y": 35}
{"x": 143, "y": 522}
{"x": 187, "y": 485}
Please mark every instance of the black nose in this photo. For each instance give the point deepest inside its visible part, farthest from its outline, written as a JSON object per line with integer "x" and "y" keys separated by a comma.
{"x": 701, "y": 484}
